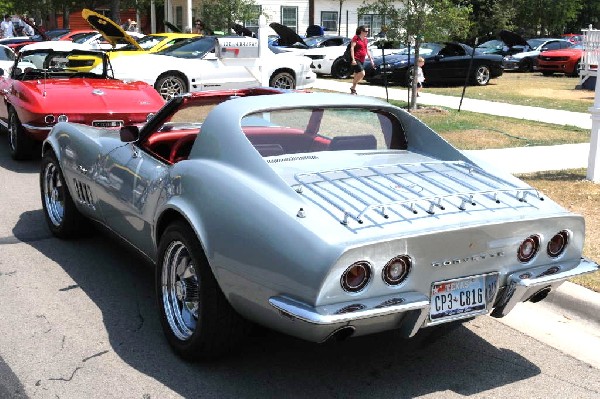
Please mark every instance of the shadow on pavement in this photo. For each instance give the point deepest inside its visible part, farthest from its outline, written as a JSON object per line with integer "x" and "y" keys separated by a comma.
{"x": 6, "y": 162}
{"x": 120, "y": 283}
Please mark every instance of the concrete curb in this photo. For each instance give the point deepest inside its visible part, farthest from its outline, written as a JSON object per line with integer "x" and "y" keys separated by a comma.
{"x": 577, "y": 300}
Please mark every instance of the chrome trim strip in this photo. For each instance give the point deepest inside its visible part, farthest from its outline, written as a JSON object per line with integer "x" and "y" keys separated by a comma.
{"x": 4, "y": 124}
{"x": 326, "y": 315}
{"x": 31, "y": 127}
{"x": 522, "y": 285}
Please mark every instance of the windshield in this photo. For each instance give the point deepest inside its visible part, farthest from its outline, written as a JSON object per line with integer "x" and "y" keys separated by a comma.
{"x": 535, "y": 43}
{"x": 495, "y": 44}
{"x": 84, "y": 37}
{"x": 51, "y": 64}
{"x": 190, "y": 48}
{"x": 146, "y": 42}
{"x": 6, "y": 54}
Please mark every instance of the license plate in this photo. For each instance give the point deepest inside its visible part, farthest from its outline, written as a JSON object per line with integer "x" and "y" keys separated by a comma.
{"x": 462, "y": 297}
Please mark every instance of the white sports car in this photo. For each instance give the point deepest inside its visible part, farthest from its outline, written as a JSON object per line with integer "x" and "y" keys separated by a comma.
{"x": 329, "y": 61}
{"x": 210, "y": 63}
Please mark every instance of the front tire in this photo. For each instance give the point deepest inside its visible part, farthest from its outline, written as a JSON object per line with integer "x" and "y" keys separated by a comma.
{"x": 340, "y": 69}
{"x": 20, "y": 144}
{"x": 170, "y": 85}
{"x": 60, "y": 212}
{"x": 527, "y": 65}
{"x": 283, "y": 80}
{"x": 481, "y": 75}
{"x": 197, "y": 319}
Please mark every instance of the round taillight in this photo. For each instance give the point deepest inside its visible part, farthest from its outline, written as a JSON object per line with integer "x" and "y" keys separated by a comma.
{"x": 49, "y": 119}
{"x": 396, "y": 270}
{"x": 63, "y": 118}
{"x": 528, "y": 248}
{"x": 356, "y": 277}
{"x": 558, "y": 243}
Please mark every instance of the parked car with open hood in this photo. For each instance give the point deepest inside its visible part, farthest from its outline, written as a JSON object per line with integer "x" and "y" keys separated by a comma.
{"x": 525, "y": 61}
{"x": 42, "y": 90}
{"x": 320, "y": 215}
{"x": 444, "y": 63}
{"x": 290, "y": 41}
{"x": 211, "y": 63}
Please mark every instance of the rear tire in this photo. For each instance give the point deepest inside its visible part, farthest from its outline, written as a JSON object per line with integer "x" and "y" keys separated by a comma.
{"x": 481, "y": 75}
{"x": 60, "y": 212}
{"x": 20, "y": 144}
{"x": 197, "y": 319}
{"x": 340, "y": 69}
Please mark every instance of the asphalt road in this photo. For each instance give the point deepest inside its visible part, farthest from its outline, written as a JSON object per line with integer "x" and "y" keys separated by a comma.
{"x": 78, "y": 319}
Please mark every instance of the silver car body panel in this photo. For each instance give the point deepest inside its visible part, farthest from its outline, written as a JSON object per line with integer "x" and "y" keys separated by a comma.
{"x": 279, "y": 231}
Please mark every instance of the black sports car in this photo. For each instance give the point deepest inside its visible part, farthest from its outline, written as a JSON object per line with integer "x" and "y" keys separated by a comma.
{"x": 444, "y": 63}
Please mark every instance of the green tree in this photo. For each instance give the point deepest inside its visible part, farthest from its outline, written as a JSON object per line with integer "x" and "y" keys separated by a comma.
{"x": 222, "y": 14}
{"x": 545, "y": 17}
{"x": 489, "y": 17}
{"x": 419, "y": 20}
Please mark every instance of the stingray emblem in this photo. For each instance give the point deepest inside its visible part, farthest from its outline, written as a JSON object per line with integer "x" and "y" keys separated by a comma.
{"x": 97, "y": 92}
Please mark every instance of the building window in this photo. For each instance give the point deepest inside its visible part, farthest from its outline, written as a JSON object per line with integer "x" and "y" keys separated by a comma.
{"x": 372, "y": 21}
{"x": 329, "y": 20}
{"x": 289, "y": 17}
{"x": 252, "y": 24}
{"x": 179, "y": 17}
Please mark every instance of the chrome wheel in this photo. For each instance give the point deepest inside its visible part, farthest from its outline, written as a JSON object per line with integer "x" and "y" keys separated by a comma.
{"x": 53, "y": 192}
{"x": 170, "y": 86}
{"x": 13, "y": 131}
{"x": 283, "y": 80}
{"x": 482, "y": 75}
{"x": 180, "y": 290}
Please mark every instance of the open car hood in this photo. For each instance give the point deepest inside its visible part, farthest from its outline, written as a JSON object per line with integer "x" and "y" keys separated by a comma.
{"x": 172, "y": 27}
{"x": 287, "y": 37}
{"x": 110, "y": 30}
{"x": 512, "y": 39}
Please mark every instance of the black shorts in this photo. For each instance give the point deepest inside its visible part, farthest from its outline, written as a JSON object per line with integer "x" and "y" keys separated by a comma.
{"x": 359, "y": 67}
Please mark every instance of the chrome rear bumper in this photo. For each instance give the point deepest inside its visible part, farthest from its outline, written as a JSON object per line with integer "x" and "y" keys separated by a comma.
{"x": 409, "y": 311}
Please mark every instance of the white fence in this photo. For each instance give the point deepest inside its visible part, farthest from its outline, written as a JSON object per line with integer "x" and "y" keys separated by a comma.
{"x": 591, "y": 55}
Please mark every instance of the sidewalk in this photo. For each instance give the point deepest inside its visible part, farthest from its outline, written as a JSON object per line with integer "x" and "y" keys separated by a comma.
{"x": 522, "y": 159}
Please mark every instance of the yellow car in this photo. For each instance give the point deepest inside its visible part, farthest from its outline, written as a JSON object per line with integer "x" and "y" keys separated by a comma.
{"x": 114, "y": 34}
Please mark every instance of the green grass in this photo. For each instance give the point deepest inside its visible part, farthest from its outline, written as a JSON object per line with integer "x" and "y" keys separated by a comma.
{"x": 474, "y": 131}
{"x": 534, "y": 89}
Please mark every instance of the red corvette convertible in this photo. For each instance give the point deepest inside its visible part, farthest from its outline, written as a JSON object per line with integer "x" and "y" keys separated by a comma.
{"x": 560, "y": 61}
{"x": 44, "y": 89}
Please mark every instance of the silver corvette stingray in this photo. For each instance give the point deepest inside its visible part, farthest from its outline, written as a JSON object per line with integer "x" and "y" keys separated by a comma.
{"x": 322, "y": 216}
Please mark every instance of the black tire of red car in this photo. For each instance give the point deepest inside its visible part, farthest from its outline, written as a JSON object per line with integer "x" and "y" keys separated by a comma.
{"x": 282, "y": 80}
{"x": 576, "y": 69}
{"x": 527, "y": 65}
{"x": 20, "y": 144}
{"x": 340, "y": 69}
{"x": 171, "y": 84}
{"x": 63, "y": 218}
{"x": 197, "y": 319}
{"x": 481, "y": 75}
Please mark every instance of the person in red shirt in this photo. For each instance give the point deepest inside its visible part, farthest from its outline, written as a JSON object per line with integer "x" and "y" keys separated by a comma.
{"x": 359, "y": 51}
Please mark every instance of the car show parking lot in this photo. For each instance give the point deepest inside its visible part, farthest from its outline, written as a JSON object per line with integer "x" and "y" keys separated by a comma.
{"x": 79, "y": 319}
{"x": 87, "y": 314}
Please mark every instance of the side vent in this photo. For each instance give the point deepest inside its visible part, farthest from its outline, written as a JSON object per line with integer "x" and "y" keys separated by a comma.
{"x": 84, "y": 194}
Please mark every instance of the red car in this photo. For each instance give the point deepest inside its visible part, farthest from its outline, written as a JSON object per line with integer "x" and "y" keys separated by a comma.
{"x": 42, "y": 90}
{"x": 565, "y": 61}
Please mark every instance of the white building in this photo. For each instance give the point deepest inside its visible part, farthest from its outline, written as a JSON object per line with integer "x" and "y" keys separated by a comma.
{"x": 334, "y": 15}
